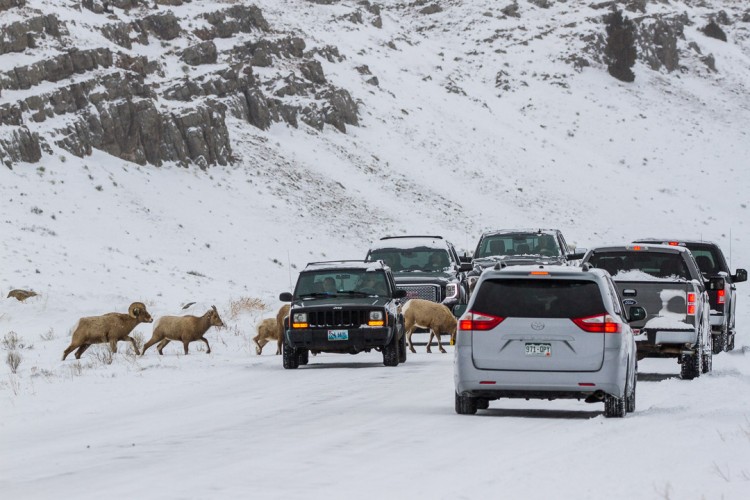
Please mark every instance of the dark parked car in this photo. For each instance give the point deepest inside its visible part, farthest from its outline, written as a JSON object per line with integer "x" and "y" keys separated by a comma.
{"x": 426, "y": 267}
{"x": 722, "y": 292}
{"x": 344, "y": 307}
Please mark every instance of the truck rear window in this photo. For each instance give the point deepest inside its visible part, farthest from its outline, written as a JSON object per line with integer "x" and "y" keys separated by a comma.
{"x": 536, "y": 298}
{"x": 657, "y": 264}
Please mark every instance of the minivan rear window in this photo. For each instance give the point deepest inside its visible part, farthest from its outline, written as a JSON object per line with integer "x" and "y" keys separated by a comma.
{"x": 657, "y": 264}
{"x": 539, "y": 298}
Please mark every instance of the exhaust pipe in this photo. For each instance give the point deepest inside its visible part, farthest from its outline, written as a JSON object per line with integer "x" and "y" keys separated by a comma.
{"x": 595, "y": 397}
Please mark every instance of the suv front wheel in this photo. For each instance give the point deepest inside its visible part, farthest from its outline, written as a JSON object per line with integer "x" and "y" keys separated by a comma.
{"x": 290, "y": 357}
{"x": 390, "y": 352}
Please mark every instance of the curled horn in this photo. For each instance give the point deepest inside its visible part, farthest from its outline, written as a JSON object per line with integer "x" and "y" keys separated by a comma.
{"x": 134, "y": 309}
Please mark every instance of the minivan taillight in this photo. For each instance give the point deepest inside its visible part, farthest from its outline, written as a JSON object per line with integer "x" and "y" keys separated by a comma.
{"x": 600, "y": 323}
{"x": 478, "y": 321}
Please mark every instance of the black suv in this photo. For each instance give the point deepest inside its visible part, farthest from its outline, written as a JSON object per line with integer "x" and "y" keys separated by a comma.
{"x": 344, "y": 307}
{"x": 720, "y": 282}
{"x": 425, "y": 267}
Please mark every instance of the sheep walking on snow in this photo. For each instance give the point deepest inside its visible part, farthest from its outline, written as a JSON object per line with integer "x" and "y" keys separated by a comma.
{"x": 185, "y": 329}
{"x": 429, "y": 315}
{"x": 108, "y": 328}
{"x": 280, "y": 317}
{"x": 268, "y": 330}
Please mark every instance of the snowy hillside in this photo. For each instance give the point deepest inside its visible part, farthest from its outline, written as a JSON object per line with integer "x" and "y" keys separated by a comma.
{"x": 481, "y": 116}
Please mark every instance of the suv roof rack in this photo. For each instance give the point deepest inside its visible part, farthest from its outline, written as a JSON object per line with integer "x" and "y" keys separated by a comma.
{"x": 413, "y": 236}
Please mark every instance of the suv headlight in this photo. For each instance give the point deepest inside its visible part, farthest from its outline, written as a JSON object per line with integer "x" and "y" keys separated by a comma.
{"x": 299, "y": 320}
{"x": 376, "y": 319}
{"x": 451, "y": 290}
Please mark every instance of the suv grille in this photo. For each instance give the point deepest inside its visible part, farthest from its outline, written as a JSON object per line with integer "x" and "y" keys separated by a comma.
{"x": 427, "y": 292}
{"x": 338, "y": 318}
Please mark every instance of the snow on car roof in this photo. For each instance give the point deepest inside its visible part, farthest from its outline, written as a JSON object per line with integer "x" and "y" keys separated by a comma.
{"x": 645, "y": 247}
{"x": 408, "y": 242}
{"x": 345, "y": 264}
{"x": 520, "y": 231}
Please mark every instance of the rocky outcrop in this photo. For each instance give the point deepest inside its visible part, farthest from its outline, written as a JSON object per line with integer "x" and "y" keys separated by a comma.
{"x": 237, "y": 19}
{"x": 19, "y": 144}
{"x": 657, "y": 41}
{"x": 130, "y": 106}
{"x": 19, "y": 36}
{"x": 55, "y": 69}
{"x": 202, "y": 53}
{"x": 9, "y": 4}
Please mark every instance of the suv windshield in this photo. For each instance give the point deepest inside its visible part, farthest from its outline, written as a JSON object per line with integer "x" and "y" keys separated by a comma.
{"x": 659, "y": 265}
{"x": 518, "y": 244}
{"x": 334, "y": 282}
{"x": 418, "y": 259}
{"x": 528, "y": 298}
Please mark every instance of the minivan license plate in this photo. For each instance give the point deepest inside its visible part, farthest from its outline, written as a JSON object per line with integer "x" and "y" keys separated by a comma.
{"x": 539, "y": 350}
{"x": 338, "y": 334}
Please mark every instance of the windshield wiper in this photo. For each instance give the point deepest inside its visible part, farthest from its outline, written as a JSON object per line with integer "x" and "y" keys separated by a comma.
{"x": 316, "y": 295}
{"x": 355, "y": 293}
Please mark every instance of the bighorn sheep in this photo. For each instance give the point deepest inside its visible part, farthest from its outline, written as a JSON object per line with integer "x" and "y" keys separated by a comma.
{"x": 21, "y": 295}
{"x": 186, "y": 329}
{"x": 268, "y": 330}
{"x": 280, "y": 317}
{"x": 430, "y": 315}
{"x": 110, "y": 327}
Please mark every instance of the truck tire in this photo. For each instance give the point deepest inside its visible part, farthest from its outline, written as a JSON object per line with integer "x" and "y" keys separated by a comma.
{"x": 708, "y": 356}
{"x": 630, "y": 399}
{"x": 290, "y": 357}
{"x": 402, "y": 349}
{"x": 614, "y": 407}
{"x": 730, "y": 342}
{"x": 390, "y": 352}
{"x": 465, "y": 405}
{"x": 303, "y": 356}
{"x": 691, "y": 366}
{"x": 720, "y": 341}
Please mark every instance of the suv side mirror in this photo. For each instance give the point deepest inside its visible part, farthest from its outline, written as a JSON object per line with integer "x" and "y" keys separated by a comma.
{"x": 636, "y": 313}
{"x": 465, "y": 258}
{"x": 399, "y": 294}
{"x": 740, "y": 275}
{"x": 465, "y": 267}
{"x": 285, "y": 297}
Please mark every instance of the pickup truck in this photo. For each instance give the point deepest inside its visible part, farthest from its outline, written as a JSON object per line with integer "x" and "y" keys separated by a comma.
{"x": 722, "y": 292}
{"x": 666, "y": 281}
{"x": 426, "y": 267}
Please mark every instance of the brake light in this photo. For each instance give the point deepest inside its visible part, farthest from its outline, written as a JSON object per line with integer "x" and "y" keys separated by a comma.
{"x": 600, "y": 323}
{"x": 636, "y": 248}
{"x": 478, "y": 321}
{"x": 674, "y": 243}
{"x": 721, "y": 296}
{"x": 539, "y": 273}
{"x": 691, "y": 304}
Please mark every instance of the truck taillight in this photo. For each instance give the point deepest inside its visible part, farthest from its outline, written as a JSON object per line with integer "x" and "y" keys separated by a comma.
{"x": 721, "y": 296}
{"x": 600, "y": 323}
{"x": 691, "y": 304}
{"x": 478, "y": 321}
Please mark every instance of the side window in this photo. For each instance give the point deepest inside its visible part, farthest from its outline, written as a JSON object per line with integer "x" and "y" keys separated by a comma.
{"x": 617, "y": 301}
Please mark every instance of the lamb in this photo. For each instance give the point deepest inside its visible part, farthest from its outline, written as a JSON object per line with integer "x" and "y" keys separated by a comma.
{"x": 183, "y": 328}
{"x": 430, "y": 315}
{"x": 268, "y": 330}
{"x": 21, "y": 295}
{"x": 280, "y": 317}
{"x": 110, "y": 327}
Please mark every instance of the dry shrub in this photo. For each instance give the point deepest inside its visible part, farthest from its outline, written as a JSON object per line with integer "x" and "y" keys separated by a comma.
{"x": 246, "y": 305}
{"x": 13, "y": 360}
